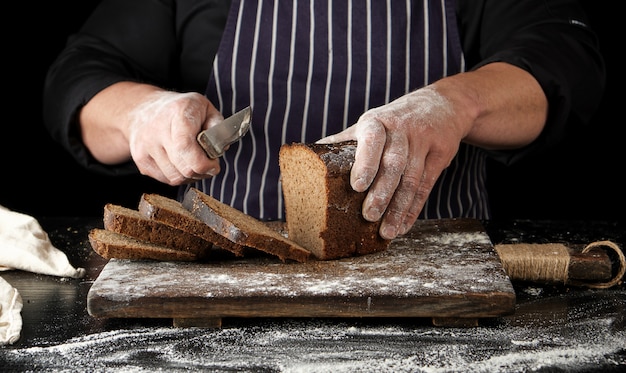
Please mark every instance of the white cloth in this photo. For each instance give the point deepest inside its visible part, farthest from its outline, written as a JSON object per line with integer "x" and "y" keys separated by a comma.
{"x": 24, "y": 245}
{"x": 10, "y": 317}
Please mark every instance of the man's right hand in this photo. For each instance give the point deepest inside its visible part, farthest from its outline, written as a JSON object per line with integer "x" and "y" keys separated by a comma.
{"x": 157, "y": 129}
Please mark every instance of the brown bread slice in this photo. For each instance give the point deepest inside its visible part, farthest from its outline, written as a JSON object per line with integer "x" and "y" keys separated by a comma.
{"x": 241, "y": 228}
{"x": 109, "y": 244}
{"x": 170, "y": 211}
{"x": 132, "y": 223}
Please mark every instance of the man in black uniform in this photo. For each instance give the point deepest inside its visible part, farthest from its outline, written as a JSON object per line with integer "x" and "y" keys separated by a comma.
{"x": 429, "y": 89}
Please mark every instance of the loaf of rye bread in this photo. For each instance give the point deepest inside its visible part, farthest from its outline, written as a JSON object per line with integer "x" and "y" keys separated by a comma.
{"x": 109, "y": 244}
{"x": 322, "y": 211}
{"x": 132, "y": 223}
{"x": 170, "y": 211}
{"x": 241, "y": 228}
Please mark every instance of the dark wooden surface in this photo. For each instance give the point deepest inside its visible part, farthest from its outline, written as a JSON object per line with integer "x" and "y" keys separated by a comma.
{"x": 441, "y": 269}
{"x": 554, "y": 328}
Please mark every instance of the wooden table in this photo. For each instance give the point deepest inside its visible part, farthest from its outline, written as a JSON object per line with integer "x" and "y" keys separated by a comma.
{"x": 553, "y": 327}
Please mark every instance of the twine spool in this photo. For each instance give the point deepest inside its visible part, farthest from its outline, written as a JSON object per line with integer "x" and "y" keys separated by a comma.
{"x": 550, "y": 262}
{"x": 535, "y": 262}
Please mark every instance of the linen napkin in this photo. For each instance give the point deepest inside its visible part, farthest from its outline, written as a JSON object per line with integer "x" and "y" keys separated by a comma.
{"x": 10, "y": 317}
{"x": 24, "y": 245}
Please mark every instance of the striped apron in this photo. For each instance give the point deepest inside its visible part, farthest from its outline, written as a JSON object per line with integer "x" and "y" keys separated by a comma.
{"x": 310, "y": 68}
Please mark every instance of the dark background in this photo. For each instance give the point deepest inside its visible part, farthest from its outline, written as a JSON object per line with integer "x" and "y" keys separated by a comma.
{"x": 582, "y": 178}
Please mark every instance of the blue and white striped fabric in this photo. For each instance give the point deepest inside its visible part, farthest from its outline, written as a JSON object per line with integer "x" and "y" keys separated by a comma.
{"x": 310, "y": 68}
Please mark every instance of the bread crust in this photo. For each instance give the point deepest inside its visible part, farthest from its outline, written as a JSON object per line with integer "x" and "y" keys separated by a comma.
{"x": 109, "y": 244}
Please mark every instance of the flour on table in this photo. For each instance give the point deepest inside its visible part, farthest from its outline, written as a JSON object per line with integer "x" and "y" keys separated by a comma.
{"x": 338, "y": 346}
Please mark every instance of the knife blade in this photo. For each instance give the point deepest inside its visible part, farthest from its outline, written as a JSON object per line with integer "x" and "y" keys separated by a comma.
{"x": 215, "y": 139}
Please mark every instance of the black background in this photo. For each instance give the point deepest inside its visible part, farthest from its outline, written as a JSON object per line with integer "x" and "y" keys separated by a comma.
{"x": 582, "y": 178}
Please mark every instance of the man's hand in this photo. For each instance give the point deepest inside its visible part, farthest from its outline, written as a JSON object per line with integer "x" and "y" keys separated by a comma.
{"x": 402, "y": 149}
{"x": 162, "y": 137}
{"x": 156, "y": 129}
{"x": 404, "y": 146}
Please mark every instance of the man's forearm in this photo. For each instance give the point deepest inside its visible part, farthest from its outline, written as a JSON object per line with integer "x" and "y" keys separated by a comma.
{"x": 104, "y": 120}
{"x": 504, "y": 106}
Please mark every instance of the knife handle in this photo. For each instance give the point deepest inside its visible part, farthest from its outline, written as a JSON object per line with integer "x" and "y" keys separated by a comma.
{"x": 209, "y": 148}
{"x": 214, "y": 140}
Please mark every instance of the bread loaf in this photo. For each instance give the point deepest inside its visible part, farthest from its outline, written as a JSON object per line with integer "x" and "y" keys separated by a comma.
{"x": 172, "y": 212}
{"x": 132, "y": 223}
{"x": 322, "y": 211}
{"x": 109, "y": 244}
{"x": 241, "y": 228}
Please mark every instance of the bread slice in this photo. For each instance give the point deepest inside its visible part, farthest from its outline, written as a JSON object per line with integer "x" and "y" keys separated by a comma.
{"x": 322, "y": 211}
{"x": 109, "y": 244}
{"x": 241, "y": 228}
{"x": 132, "y": 223}
{"x": 170, "y": 211}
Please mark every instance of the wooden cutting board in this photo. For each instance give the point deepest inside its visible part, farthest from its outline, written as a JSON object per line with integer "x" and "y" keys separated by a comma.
{"x": 446, "y": 270}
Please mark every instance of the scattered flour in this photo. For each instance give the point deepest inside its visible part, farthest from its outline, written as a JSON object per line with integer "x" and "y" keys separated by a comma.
{"x": 337, "y": 346}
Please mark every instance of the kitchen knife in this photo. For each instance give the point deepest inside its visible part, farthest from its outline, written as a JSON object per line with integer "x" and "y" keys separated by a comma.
{"x": 214, "y": 140}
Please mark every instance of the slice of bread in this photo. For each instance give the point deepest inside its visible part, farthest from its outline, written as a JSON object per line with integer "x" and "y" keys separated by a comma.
{"x": 241, "y": 228}
{"x": 132, "y": 223}
{"x": 322, "y": 211}
{"x": 172, "y": 212}
{"x": 109, "y": 244}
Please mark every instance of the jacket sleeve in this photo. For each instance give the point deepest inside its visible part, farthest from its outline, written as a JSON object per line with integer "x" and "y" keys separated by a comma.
{"x": 166, "y": 43}
{"x": 552, "y": 40}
